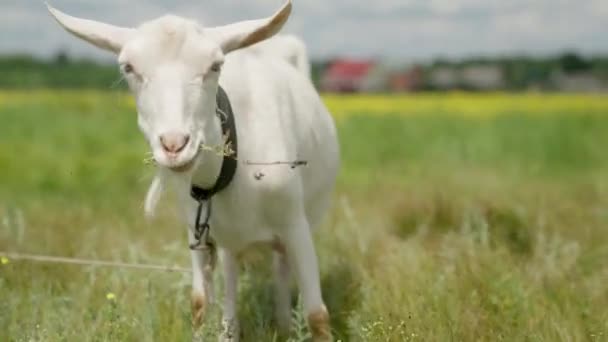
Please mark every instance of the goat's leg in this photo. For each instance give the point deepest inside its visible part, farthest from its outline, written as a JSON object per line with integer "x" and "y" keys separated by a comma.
{"x": 230, "y": 324}
{"x": 302, "y": 255}
{"x": 282, "y": 296}
{"x": 203, "y": 263}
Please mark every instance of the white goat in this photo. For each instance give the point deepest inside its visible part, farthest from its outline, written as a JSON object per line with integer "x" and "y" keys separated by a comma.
{"x": 288, "y": 47}
{"x": 173, "y": 67}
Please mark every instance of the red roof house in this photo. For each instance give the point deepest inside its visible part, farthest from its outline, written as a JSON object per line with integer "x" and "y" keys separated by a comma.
{"x": 346, "y": 75}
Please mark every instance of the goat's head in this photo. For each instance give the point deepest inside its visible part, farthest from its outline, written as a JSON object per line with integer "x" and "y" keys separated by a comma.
{"x": 172, "y": 66}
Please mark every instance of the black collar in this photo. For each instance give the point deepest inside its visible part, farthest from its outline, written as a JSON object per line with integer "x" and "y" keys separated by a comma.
{"x": 224, "y": 112}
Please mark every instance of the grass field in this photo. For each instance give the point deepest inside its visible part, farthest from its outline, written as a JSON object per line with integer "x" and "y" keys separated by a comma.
{"x": 457, "y": 217}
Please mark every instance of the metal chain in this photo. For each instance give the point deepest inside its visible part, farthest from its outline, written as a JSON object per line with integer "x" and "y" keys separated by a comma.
{"x": 201, "y": 230}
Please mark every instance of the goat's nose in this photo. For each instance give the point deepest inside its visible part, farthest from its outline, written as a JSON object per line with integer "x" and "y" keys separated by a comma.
{"x": 174, "y": 142}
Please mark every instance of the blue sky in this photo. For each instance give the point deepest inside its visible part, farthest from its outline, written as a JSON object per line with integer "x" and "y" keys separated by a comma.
{"x": 411, "y": 29}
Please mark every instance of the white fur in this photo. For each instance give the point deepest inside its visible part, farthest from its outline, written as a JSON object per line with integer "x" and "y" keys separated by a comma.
{"x": 279, "y": 117}
{"x": 287, "y": 47}
{"x": 153, "y": 196}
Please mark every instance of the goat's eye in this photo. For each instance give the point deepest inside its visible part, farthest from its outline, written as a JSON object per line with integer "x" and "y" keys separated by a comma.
{"x": 128, "y": 68}
{"x": 216, "y": 67}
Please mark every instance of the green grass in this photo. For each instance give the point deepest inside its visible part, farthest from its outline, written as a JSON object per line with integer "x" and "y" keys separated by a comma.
{"x": 444, "y": 228}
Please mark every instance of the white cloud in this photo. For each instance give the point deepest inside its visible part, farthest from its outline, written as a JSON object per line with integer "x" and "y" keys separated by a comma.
{"x": 407, "y": 28}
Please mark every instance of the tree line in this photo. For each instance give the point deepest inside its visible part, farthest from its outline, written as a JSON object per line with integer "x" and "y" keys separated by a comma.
{"x": 62, "y": 71}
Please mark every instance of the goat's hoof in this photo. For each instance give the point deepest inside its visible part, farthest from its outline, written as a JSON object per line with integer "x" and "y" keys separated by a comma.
{"x": 198, "y": 302}
{"x": 318, "y": 322}
{"x": 230, "y": 331}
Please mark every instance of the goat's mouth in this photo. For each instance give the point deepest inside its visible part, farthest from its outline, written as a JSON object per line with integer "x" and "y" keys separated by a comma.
{"x": 174, "y": 163}
{"x": 180, "y": 162}
{"x": 185, "y": 167}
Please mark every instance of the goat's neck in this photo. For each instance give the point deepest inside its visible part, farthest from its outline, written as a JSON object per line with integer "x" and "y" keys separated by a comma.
{"x": 210, "y": 160}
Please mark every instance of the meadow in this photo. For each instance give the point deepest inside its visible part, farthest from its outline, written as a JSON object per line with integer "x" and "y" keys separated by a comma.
{"x": 457, "y": 217}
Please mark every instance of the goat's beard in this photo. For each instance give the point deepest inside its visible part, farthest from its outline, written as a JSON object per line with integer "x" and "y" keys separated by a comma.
{"x": 180, "y": 182}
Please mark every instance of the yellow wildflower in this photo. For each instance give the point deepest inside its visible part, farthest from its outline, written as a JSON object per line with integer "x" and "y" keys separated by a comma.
{"x": 110, "y": 296}
{"x": 4, "y": 260}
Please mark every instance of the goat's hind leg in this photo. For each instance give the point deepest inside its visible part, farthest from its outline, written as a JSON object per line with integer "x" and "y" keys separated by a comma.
{"x": 282, "y": 295}
{"x": 301, "y": 253}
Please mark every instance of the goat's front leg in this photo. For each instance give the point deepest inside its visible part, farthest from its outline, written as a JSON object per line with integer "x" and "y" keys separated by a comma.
{"x": 203, "y": 263}
{"x": 230, "y": 324}
{"x": 301, "y": 253}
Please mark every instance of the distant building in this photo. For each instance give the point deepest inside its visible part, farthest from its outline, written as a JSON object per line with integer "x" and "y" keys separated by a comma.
{"x": 345, "y": 75}
{"x": 443, "y": 78}
{"x": 482, "y": 77}
{"x": 578, "y": 82}
{"x": 478, "y": 77}
{"x": 376, "y": 80}
{"x": 406, "y": 81}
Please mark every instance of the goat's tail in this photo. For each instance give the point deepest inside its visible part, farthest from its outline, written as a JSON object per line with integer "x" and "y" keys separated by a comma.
{"x": 153, "y": 196}
{"x": 299, "y": 55}
{"x": 287, "y": 47}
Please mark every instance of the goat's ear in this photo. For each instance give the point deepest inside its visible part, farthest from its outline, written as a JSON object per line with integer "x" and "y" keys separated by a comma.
{"x": 107, "y": 37}
{"x": 243, "y": 34}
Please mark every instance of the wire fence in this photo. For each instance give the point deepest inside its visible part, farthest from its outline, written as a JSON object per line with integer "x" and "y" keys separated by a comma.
{"x": 10, "y": 256}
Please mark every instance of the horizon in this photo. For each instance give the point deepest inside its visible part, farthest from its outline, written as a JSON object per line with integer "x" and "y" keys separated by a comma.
{"x": 379, "y": 59}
